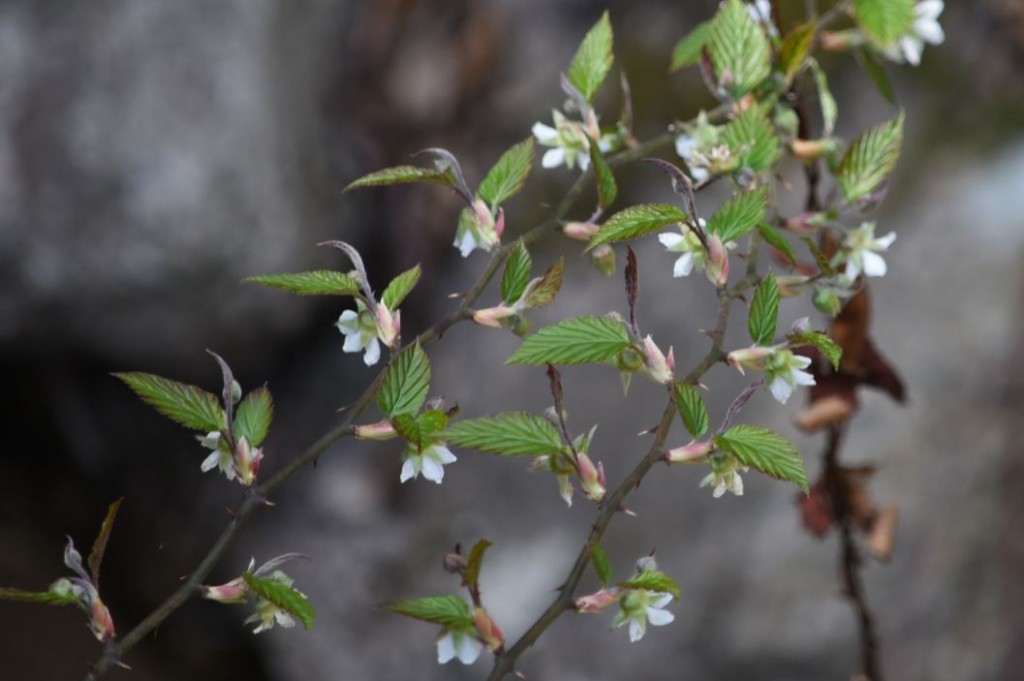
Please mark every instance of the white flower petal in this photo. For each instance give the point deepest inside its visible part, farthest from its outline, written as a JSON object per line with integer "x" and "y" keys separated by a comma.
{"x": 284, "y": 619}
{"x": 431, "y": 469}
{"x": 928, "y": 9}
{"x": 544, "y": 133}
{"x": 780, "y": 389}
{"x": 874, "y": 264}
{"x": 737, "y": 484}
{"x": 372, "y": 353}
{"x": 465, "y": 242}
{"x": 802, "y": 378}
{"x": 930, "y": 31}
{"x": 683, "y": 266}
{"x": 670, "y": 239}
{"x": 720, "y": 488}
{"x": 883, "y": 242}
{"x": 912, "y": 48}
{"x": 637, "y": 628}
{"x": 685, "y": 146}
{"x": 210, "y": 462}
{"x": 443, "y": 454}
{"x": 659, "y": 618}
{"x": 660, "y": 602}
{"x": 553, "y": 158}
{"x": 468, "y": 649}
{"x": 583, "y": 161}
{"x": 409, "y": 471}
{"x": 445, "y": 648}
{"x": 353, "y": 341}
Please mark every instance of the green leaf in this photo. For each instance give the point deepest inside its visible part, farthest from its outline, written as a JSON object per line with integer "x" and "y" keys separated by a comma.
{"x": 99, "y": 547}
{"x": 317, "y": 283}
{"x": 764, "y": 311}
{"x": 602, "y": 566}
{"x": 45, "y": 597}
{"x": 884, "y": 21}
{"x": 636, "y": 221}
{"x": 580, "y": 340}
{"x": 691, "y": 409}
{"x": 185, "y": 404}
{"x": 751, "y": 139}
{"x": 543, "y": 290}
{"x": 448, "y": 611}
{"x": 871, "y": 158}
{"x": 471, "y": 575}
{"x": 508, "y": 434}
{"x": 739, "y": 49}
{"x": 765, "y": 451}
{"x": 826, "y": 345}
{"x": 829, "y": 108}
{"x": 255, "y": 412}
{"x": 593, "y": 59}
{"x": 653, "y": 580}
{"x": 795, "y": 49}
{"x": 404, "y": 175}
{"x": 517, "y": 273}
{"x": 508, "y": 175}
{"x": 775, "y": 238}
{"x": 823, "y": 263}
{"x": 689, "y": 48}
{"x": 400, "y": 287}
{"x": 876, "y": 72}
{"x": 422, "y": 430}
{"x": 737, "y": 216}
{"x": 283, "y": 596}
{"x": 607, "y": 190}
{"x": 406, "y": 382}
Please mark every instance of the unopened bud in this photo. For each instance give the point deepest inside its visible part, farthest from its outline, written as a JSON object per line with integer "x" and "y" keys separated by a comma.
{"x": 659, "y": 367}
{"x": 247, "y": 462}
{"x": 453, "y": 563}
{"x": 232, "y": 592}
{"x": 488, "y": 630}
{"x": 100, "y": 622}
{"x": 825, "y": 411}
{"x": 809, "y": 150}
{"x": 603, "y": 258}
{"x": 382, "y": 430}
{"x": 717, "y": 265}
{"x": 596, "y": 602}
{"x": 839, "y": 41}
{"x": 630, "y": 359}
{"x": 827, "y": 301}
{"x": 492, "y": 316}
{"x": 691, "y": 453}
{"x": 591, "y": 477}
{"x": 582, "y": 231}
{"x": 754, "y": 357}
{"x": 518, "y": 324}
{"x": 236, "y": 391}
{"x": 389, "y": 325}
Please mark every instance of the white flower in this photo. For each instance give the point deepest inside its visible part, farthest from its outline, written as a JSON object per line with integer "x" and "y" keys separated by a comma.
{"x": 862, "y": 251}
{"x": 478, "y": 228}
{"x": 687, "y": 243}
{"x": 727, "y": 478}
{"x": 359, "y": 327}
{"x": 640, "y": 607}
{"x": 430, "y": 462}
{"x": 926, "y": 29}
{"x": 460, "y": 644}
{"x": 221, "y": 457}
{"x": 268, "y": 614}
{"x": 784, "y": 371}
{"x": 688, "y": 149}
{"x": 569, "y": 142}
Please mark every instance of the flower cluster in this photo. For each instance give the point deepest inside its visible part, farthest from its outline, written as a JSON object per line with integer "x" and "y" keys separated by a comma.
{"x": 267, "y": 614}
{"x": 783, "y": 370}
{"x": 641, "y": 600}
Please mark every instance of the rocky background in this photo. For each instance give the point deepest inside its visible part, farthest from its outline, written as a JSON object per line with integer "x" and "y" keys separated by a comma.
{"x": 154, "y": 153}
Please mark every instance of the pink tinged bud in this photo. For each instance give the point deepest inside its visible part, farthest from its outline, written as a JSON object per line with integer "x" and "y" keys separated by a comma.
{"x": 499, "y": 225}
{"x": 603, "y": 258}
{"x": 580, "y": 230}
{"x": 389, "y": 325}
{"x": 247, "y": 462}
{"x": 838, "y": 41}
{"x": 753, "y": 357}
{"x": 596, "y": 602}
{"x": 809, "y": 150}
{"x": 492, "y": 316}
{"x": 694, "y": 452}
{"x": 232, "y": 592}
{"x": 488, "y": 630}
{"x": 717, "y": 266}
{"x": 591, "y": 477}
{"x": 100, "y": 623}
{"x": 659, "y": 368}
{"x": 382, "y": 430}
{"x": 646, "y": 563}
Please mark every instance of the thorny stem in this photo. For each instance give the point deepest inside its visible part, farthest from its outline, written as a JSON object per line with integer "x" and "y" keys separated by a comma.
{"x": 504, "y": 663}
{"x": 114, "y": 652}
{"x": 849, "y": 556}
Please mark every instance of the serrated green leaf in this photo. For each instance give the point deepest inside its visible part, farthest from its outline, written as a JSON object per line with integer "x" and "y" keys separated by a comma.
{"x": 184, "y": 404}
{"x": 826, "y": 345}
{"x": 542, "y": 292}
{"x": 871, "y": 158}
{"x": 471, "y": 575}
{"x": 884, "y": 21}
{"x": 593, "y": 59}
{"x": 764, "y": 451}
{"x": 448, "y": 611}
{"x": 404, "y": 175}
{"x": 876, "y": 72}
{"x": 607, "y": 190}
{"x": 689, "y": 48}
{"x": 400, "y": 287}
{"x": 316, "y": 283}
{"x": 602, "y": 566}
{"x": 795, "y": 48}
{"x": 508, "y": 434}
{"x": 653, "y": 580}
{"x": 283, "y": 596}
{"x": 253, "y": 417}
{"x": 740, "y": 214}
{"x": 829, "y": 108}
{"x": 636, "y": 221}
{"x": 421, "y": 430}
{"x": 751, "y": 139}
{"x": 692, "y": 409}
{"x": 44, "y": 597}
{"x": 739, "y": 49}
{"x": 99, "y": 546}
{"x": 580, "y": 340}
{"x": 406, "y": 382}
{"x": 775, "y": 238}
{"x": 507, "y": 176}
{"x": 517, "y": 274}
{"x": 763, "y": 319}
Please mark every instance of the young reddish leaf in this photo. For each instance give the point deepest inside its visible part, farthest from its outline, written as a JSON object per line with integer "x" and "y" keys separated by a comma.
{"x": 471, "y": 575}
{"x": 99, "y": 547}
{"x": 542, "y": 291}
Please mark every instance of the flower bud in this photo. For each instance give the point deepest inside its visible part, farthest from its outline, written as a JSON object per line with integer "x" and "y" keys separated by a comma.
{"x": 236, "y": 391}
{"x": 453, "y": 563}
{"x": 809, "y": 150}
{"x": 630, "y": 359}
{"x": 839, "y": 41}
{"x": 827, "y": 301}
{"x": 596, "y": 602}
{"x": 802, "y": 325}
{"x": 646, "y": 564}
{"x": 389, "y": 325}
{"x": 582, "y": 231}
{"x": 717, "y": 266}
{"x": 492, "y": 316}
{"x": 591, "y": 478}
{"x": 101, "y": 624}
{"x": 660, "y": 368}
{"x": 518, "y": 324}
{"x": 691, "y": 453}
{"x": 382, "y": 430}
{"x": 603, "y": 258}
{"x": 232, "y": 592}
{"x": 247, "y": 462}
{"x": 754, "y": 357}
{"x": 488, "y": 630}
